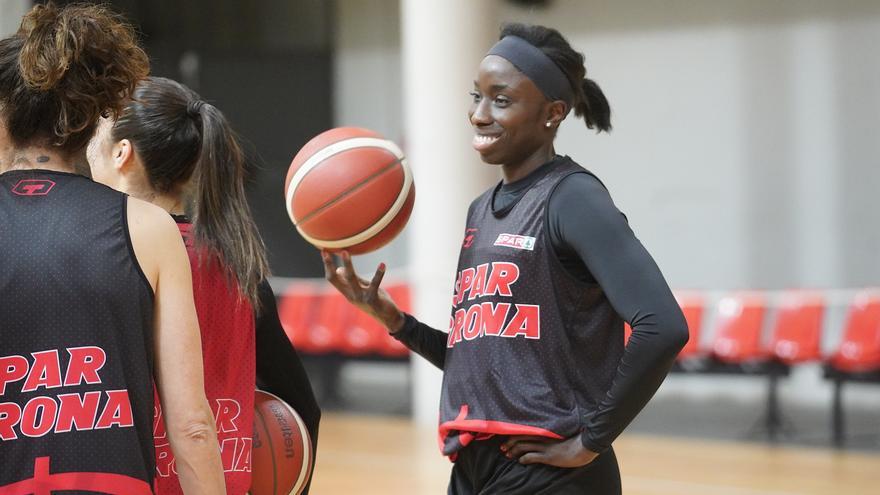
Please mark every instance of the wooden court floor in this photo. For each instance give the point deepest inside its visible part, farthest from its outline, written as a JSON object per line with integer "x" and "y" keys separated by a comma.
{"x": 389, "y": 456}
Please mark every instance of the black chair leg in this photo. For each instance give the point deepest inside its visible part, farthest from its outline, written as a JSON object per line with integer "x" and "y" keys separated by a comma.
{"x": 773, "y": 419}
{"x": 772, "y": 424}
{"x": 837, "y": 417}
{"x": 330, "y": 371}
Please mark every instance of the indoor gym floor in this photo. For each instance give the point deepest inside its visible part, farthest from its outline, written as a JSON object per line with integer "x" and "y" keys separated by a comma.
{"x": 386, "y": 455}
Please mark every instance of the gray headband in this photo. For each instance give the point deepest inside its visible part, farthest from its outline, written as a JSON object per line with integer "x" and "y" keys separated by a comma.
{"x": 537, "y": 66}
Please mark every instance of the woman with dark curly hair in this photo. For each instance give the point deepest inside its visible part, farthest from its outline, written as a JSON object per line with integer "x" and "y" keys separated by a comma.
{"x": 95, "y": 288}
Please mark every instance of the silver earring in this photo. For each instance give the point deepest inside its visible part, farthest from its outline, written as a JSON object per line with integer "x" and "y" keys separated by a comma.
{"x": 548, "y": 124}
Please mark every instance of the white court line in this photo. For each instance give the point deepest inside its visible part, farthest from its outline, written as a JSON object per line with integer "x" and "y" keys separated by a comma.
{"x": 663, "y": 486}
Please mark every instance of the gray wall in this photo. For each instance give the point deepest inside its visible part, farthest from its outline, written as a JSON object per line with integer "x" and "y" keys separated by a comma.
{"x": 368, "y": 90}
{"x": 10, "y": 15}
{"x": 745, "y": 150}
{"x": 745, "y": 147}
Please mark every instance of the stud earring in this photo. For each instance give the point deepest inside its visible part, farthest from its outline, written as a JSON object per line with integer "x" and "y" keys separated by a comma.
{"x": 548, "y": 124}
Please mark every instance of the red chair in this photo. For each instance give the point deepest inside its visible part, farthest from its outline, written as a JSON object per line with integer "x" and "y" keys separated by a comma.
{"x": 859, "y": 350}
{"x": 327, "y": 331}
{"x": 795, "y": 338}
{"x": 298, "y": 307}
{"x": 797, "y": 333}
{"x": 738, "y": 348}
{"x": 363, "y": 336}
{"x": 738, "y": 327}
{"x": 857, "y": 357}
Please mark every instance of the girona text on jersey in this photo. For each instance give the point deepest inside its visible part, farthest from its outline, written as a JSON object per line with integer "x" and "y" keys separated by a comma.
{"x": 58, "y": 412}
{"x": 476, "y": 318}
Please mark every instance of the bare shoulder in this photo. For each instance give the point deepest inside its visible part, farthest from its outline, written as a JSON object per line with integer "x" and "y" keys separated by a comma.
{"x": 154, "y": 237}
{"x": 148, "y": 218}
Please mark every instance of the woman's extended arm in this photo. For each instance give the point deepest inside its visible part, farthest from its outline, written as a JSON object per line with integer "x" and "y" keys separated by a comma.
{"x": 428, "y": 342}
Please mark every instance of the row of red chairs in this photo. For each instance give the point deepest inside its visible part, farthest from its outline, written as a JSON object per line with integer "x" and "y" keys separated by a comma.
{"x": 740, "y": 344}
{"x": 795, "y": 335}
{"x": 318, "y": 320}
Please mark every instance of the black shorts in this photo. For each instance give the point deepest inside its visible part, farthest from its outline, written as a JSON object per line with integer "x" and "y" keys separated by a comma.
{"x": 482, "y": 469}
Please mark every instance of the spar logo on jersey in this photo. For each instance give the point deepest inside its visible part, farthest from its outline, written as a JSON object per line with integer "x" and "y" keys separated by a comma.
{"x": 54, "y": 411}
{"x": 33, "y": 187}
{"x": 516, "y": 241}
{"x": 474, "y": 317}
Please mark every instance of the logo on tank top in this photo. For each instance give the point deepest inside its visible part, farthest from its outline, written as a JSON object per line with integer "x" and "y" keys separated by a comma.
{"x": 516, "y": 241}
{"x": 469, "y": 236}
{"x": 486, "y": 318}
{"x": 56, "y": 411}
{"x": 33, "y": 187}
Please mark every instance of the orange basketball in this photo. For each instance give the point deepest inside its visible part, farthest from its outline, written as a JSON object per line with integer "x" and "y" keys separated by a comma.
{"x": 282, "y": 452}
{"x": 349, "y": 188}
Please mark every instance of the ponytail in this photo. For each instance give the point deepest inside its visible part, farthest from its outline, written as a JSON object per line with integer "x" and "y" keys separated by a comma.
{"x": 594, "y": 107}
{"x": 222, "y": 220}
{"x": 179, "y": 137}
{"x": 589, "y": 101}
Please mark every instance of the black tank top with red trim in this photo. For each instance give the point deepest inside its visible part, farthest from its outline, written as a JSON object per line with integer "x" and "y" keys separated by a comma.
{"x": 529, "y": 350}
{"x": 76, "y": 314}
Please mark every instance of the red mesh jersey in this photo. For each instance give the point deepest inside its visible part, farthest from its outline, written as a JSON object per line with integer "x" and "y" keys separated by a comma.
{"x": 226, "y": 321}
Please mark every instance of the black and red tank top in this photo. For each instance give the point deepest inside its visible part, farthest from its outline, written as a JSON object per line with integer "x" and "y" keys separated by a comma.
{"x": 226, "y": 321}
{"x": 76, "y": 314}
{"x": 531, "y": 350}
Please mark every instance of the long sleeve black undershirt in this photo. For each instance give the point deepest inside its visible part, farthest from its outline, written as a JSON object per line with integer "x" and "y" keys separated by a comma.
{"x": 594, "y": 242}
{"x": 280, "y": 370}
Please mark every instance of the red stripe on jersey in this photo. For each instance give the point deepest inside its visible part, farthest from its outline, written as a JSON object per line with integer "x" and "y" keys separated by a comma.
{"x": 43, "y": 483}
{"x": 495, "y": 428}
{"x": 481, "y": 429}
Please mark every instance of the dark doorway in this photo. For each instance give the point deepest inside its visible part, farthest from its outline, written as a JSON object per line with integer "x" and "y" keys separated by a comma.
{"x": 268, "y": 66}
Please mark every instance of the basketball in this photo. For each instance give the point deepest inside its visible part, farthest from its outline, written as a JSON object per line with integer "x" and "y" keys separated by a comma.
{"x": 349, "y": 189}
{"x": 282, "y": 449}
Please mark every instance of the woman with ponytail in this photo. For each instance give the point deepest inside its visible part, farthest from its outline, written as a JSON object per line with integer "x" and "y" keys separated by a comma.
{"x": 172, "y": 149}
{"x": 537, "y": 381}
{"x": 95, "y": 289}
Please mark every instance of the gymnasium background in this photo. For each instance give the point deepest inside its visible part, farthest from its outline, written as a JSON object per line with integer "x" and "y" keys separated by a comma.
{"x": 745, "y": 154}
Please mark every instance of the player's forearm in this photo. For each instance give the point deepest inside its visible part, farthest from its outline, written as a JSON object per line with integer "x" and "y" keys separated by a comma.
{"x": 649, "y": 355}
{"x": 197, "y": 453}
{"x": 425, "y": 341}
